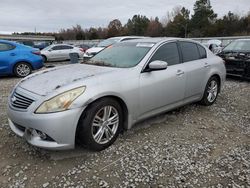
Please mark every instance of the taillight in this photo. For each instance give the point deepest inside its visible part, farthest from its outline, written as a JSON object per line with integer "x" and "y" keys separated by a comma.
{"x": 82, "y": 50}
{"x": 36, "y": 52}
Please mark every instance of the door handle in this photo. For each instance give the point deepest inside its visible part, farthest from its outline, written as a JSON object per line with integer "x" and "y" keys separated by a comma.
{"x": 206, "y": 65}
{"x": 179, "y": 73}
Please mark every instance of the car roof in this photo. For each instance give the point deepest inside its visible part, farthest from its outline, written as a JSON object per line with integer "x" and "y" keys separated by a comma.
{"x": 52, "y": 45}
{"x": 9, "y": 42}
{"x": 159, "y": 39}
{"x": 127, "y": 37}
{"x": 242, "y": 40}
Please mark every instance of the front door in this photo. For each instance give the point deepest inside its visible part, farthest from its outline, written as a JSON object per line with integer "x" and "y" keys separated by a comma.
{"x": 163, "y": 89}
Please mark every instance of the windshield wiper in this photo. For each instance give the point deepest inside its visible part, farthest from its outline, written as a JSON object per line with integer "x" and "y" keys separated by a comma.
{"x": 98, "y": 63}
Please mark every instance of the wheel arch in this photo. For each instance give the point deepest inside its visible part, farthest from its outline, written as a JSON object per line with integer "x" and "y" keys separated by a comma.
{"x": 115, "y": 97}
{"x": 122, "y": 104}
{"x": 219, "y": 79}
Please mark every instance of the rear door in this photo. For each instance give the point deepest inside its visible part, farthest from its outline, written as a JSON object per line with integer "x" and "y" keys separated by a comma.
{"x": 65, "y": 51}
{"x": 7, "y": 56}
{"x": 163, "y": 89}
{"x": 196, "y": 65}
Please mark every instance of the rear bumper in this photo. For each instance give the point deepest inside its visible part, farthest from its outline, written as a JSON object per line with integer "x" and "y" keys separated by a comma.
{"x": 38, "y": 63}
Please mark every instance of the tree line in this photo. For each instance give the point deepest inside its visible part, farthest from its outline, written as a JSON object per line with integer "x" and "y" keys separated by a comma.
{"x": 204, "y": 22}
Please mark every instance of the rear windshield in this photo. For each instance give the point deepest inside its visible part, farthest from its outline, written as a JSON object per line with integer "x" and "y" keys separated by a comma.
{"x": 121, "y": 55}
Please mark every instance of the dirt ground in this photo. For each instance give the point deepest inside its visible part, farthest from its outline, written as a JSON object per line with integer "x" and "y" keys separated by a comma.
{"x": 193, "y": 146}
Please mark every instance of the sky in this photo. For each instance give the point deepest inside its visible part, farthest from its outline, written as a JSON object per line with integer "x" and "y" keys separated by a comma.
{"x": 53, "y": 15}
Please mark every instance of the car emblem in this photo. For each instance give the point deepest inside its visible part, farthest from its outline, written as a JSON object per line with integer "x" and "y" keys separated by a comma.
{"x": 13, "y": 99}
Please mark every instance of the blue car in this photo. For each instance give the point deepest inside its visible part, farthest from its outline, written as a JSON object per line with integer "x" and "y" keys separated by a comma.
{"x": 18, "y": 59}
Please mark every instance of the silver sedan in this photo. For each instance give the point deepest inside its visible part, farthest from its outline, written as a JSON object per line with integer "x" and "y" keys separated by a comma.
{"x": 91, "y": 103}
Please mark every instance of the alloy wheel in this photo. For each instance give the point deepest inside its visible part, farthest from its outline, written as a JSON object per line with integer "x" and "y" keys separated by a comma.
{"x": 105, "y": 124}
{"x": 23, "y": 70}
{"x": 212, "y": 91}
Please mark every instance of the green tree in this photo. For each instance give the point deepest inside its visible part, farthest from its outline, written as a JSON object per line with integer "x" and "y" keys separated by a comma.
{"x": 155, "y": 28}
{"x": 114, "y": 28}
{"x": 202, "y": 19}
{"x": 179, "y": 26}
{"x": 137, "y": 25}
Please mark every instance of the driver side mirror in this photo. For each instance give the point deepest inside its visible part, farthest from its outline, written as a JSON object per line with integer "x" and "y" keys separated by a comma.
{"x": 157, "y": 65}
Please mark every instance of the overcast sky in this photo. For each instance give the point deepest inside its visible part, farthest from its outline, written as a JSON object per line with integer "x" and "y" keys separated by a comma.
{"x": 52, "y": 15}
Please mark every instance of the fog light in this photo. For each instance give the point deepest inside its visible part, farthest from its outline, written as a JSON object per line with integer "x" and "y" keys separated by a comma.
{"x": 42, "y": 135}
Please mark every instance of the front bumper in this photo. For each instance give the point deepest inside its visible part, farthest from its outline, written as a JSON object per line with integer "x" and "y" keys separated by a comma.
{"x": 59, "y": 128}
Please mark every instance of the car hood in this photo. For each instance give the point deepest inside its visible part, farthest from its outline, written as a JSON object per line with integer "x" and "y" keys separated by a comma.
{"x": 94, "y": 50}
{"x": 47, "y": 81}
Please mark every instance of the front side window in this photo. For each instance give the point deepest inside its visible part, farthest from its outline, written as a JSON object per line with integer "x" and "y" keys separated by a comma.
{"x": 189, "y": 51}
{"x": 56, "y": 48}
{"x": 66, "y": 47}
{"x": 6, "y": 47}
{"x": 168, "y": 53}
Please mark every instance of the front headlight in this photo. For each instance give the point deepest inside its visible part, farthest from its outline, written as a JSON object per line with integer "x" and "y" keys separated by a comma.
{"x": 60, "y": 102}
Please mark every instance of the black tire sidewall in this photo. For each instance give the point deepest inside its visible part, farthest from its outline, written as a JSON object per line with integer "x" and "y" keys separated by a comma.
{"x": 44, "y": 58}
{"x": 15, "y": 69}
{"x": 84, "y": 130}
{"x": 204, "y": 100}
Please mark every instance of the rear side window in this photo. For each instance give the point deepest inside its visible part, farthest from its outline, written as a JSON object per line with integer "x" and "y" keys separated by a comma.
{"x": 167, "y": 52}
{"x": 203, "y": 52}
{"x": 189, "y": 51}
{"x": 6, "y": 47}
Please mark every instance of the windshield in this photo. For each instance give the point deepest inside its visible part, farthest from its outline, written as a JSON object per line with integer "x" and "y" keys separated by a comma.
{"x": 239, "y": 45}
{"x": 108, "y": 42}
{"x": 47, "y": 48}
{"x": 121, "y": 55}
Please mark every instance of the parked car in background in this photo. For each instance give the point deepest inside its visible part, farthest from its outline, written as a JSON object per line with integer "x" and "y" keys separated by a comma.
{"x": 84, "y": 47}
{"x": 105, "y": 43}
{"x": 41, "y": 45}
{"x": 59, "y": 52}
{"x": 214, "y": 46}
{"x": 91, "y": 103}
{"x": 237, "y": 58}
{"x": 27, "y": 43}
{"x": 17, "y": 59}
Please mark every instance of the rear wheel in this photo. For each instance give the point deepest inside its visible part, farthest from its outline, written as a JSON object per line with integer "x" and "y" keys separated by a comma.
{"x": 100, "y": 124}
{"x": 211, "y": 91}
{"x": 22, "y": 69}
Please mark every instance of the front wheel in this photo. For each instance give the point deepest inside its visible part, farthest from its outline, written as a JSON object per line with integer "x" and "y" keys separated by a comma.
{"x": 100, "y": 124}
{"x": 44, "y": 58}
{"x": 22, "y": 69}
{"x": 211, "y": 91}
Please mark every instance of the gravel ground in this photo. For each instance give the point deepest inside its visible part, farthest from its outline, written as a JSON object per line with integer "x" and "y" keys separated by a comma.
{"x": 193, "y": 146}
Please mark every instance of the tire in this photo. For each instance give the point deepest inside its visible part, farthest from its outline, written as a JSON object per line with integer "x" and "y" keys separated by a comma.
{"x": 97, "y": 132}
{"x": 44, "y": 58}
{"x": 210, "y": 95}
{"x": 22, "y": 69}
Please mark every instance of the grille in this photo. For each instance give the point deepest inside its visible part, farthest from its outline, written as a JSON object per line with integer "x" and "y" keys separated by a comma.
{"x": 20, "y": 101}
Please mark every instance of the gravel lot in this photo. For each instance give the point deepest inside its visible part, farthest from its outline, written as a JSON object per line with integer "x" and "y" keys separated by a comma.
{"x": 193, "y": 146}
